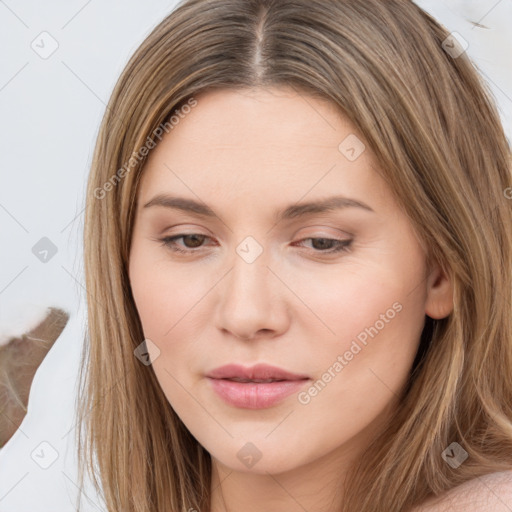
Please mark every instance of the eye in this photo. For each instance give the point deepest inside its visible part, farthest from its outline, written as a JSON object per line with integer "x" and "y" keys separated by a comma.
{"x": 193, "y": 241}
{"x": 329, "y": 245}
{"x": 194, "y": 238}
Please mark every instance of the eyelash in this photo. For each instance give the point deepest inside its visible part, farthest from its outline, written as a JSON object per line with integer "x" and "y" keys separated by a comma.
{"x": 170, "y": 242}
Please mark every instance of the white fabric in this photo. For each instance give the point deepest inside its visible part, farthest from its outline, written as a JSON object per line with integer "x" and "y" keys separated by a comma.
{"x": 28, "y": 483}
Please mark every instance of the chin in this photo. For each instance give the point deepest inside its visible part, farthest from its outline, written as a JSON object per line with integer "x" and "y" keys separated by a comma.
{"x": 250, "y": 459}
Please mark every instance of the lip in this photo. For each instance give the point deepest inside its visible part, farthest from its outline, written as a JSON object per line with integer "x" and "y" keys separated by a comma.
{"x": 254, "y": 395}
{"x": 259, "y": 371}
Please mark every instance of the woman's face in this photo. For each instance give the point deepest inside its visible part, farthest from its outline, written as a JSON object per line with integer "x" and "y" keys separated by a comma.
{"x": 337, "y": 297}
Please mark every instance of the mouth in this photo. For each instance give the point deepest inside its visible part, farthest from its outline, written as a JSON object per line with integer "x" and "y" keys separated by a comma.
{"x": 257, "y": 373}
{"x": 258, "y": 387}
{"x": 259, "y": 381}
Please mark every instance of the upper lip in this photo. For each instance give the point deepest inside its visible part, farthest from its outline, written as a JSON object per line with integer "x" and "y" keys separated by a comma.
{"x": 258, "y": 371}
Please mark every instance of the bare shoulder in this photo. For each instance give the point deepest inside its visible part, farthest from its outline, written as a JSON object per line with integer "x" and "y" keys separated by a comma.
{"x": 488, "y": 493}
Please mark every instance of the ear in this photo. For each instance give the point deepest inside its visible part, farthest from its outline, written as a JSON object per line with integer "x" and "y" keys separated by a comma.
{"x": 439, "y": 303}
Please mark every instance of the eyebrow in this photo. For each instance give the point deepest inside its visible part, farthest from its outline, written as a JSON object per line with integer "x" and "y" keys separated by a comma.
{"x": 291, "y": 212}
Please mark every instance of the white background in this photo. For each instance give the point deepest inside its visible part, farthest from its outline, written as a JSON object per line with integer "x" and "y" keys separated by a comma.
{"x": 50, "y": 113}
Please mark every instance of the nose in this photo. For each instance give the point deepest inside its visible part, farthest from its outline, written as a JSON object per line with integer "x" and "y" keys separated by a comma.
{"x": 252, "y": 301}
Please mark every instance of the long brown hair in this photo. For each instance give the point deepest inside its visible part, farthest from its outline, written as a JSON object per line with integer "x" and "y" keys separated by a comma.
{"x": 431, "y": 123}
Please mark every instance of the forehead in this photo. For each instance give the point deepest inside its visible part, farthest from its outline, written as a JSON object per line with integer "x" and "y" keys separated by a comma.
{"x": 268, "y": 116}
{"x": 266, "y": 142}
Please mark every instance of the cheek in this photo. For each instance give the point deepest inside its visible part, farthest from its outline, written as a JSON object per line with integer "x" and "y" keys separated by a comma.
{"x": 163, "y": 293}
{"x": 364, "y": 365}
{"x": 165, "y": 298}
{"x": 370, "y": 314}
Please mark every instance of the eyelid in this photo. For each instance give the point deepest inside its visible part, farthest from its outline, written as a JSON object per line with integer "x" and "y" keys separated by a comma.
{"x": 188, "y": 231}
{"x": 339, "y": 233}
{"x": 340, "y": 245}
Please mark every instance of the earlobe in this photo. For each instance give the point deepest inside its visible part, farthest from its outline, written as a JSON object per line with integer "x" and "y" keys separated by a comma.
{"x": 439, "y": 303}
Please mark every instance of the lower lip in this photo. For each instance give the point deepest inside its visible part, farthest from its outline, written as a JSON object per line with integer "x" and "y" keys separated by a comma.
{"x": 255, "y": 395}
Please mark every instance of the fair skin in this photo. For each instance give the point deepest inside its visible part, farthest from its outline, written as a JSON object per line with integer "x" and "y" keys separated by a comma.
{"x": 247, "y": 155}
{"x": 488, "y": 493}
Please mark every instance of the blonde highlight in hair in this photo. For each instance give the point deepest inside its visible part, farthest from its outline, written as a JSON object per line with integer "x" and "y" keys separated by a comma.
{"x": 432, "y": 125}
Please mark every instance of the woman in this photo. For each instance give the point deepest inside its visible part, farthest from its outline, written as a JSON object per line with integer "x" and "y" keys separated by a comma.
{"x": 298, "y": 256}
